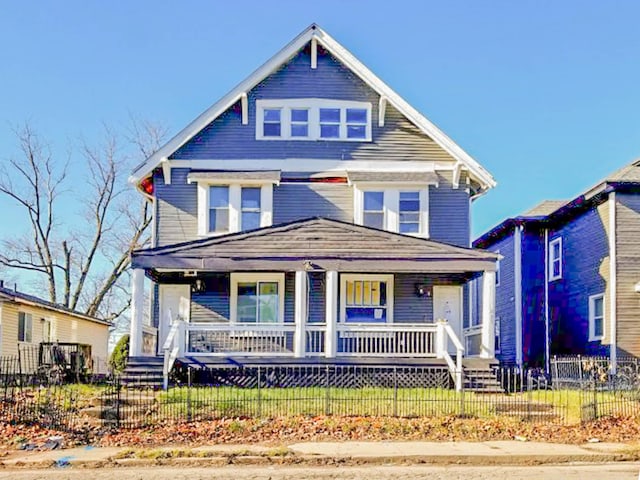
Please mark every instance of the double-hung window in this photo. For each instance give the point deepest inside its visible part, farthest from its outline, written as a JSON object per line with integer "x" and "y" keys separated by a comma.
{"x": 596, "y": 317}
{"x": 250, "y": 205}
{"x": 555, "y": 259}
{"x": 367, "y": 298}
{"x": 313, "y": 119}
{"x": 272, "y": 118}
{"x": 497, "y": 345}
{"x": 299, "y": 122}
{"x": 373, "y": 211}
{"x": 25, "y": 327}
{"x": 257, "y": 297}
{"x": 218, "y": 209}
{"x": 409, "y": 212}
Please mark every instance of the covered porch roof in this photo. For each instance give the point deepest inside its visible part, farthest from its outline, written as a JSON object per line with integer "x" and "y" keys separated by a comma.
{"x": 315, "y": 244}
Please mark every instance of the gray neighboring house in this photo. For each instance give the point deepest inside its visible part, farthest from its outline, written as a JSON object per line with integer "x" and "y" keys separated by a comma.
{"x": 311, "y": 215}
{"x": 569, "y": 280}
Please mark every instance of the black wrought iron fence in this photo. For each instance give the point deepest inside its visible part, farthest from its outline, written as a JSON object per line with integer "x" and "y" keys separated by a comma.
{"x": 200, "y": 394}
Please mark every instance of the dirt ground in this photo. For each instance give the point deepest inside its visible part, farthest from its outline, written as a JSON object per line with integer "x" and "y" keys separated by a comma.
{"x": 617, "y": 471}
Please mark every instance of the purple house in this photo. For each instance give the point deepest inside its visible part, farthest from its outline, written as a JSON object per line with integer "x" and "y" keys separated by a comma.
{"x": 311, "y": 215}
{"x": 569, "y": 278}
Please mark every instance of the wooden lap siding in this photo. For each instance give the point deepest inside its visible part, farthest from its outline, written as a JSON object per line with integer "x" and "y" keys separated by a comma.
{"x": 449, "y": 212}
{"x": 227, "y": 138}
{"x": 297, "y": 201}
{"x": 585, "y": 272}
{"x": 212, "y": 305}
{"x": 64, "y": 328}
{"x": 177, "y": 209}
{"x": 628, "y": 272}
{"x": 505, "y": 300}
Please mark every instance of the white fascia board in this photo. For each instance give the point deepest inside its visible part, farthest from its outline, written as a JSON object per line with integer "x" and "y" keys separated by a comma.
{"x": 342, "y": 54}
{"x": 315, "y": 165}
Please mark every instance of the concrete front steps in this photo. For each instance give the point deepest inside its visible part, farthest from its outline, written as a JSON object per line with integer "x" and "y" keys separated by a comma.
{"x": 480, "y": 376}
{"x": 143, "y": 372}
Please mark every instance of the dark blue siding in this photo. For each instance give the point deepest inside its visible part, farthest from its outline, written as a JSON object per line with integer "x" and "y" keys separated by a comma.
{"x": 408, "y": 307}
{"x": 317, "y": 313}
{"x": 533, "y": 318}
{"x": 585, "y": 257}
{"x": 505, "y": 299}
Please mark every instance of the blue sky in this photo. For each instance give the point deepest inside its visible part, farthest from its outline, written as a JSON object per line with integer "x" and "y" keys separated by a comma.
{"x": 544, "y": 94}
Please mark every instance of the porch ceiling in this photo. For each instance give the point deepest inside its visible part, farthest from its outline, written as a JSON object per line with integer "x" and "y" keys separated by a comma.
{"x": 317, "y": 244}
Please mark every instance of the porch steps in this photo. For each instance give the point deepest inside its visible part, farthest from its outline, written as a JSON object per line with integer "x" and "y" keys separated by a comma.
{"x": 480, "y": 377}
{"x": 143, "y": 372}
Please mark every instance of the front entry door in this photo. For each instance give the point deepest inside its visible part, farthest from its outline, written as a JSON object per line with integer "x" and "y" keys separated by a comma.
{"x": 175, "y": 300}
{"x": 447, "y": 305}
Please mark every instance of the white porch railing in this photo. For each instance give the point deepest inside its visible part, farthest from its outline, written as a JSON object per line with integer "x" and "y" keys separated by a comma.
{"x": 418, "y": 340}
{"x": 388, "y": 340}
{"x": 225, "y": 339}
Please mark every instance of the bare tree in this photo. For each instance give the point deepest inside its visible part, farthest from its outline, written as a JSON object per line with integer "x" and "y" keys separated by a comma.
{"x": 81, "y": 256}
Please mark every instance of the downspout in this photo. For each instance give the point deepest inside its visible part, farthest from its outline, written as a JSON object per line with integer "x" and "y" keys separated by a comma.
{"x": 613, "y": 287}
{"x": 546, "y": 301}
{"x": 518, "y": 290}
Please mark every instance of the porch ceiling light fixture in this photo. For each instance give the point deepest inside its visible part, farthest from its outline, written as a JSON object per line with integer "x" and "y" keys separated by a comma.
{"x": 422, "y": 290}
{"x": 198, "y": 286}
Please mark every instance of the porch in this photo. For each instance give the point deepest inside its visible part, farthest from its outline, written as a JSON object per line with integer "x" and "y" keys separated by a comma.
{"x": 306, "y": 294}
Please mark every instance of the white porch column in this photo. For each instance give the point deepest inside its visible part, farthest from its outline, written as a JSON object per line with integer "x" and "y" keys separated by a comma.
{"x": 300, "y": 317}
{"x": 331, "y": 314}
{"x": 487, "y": 347}
{"x": 137, "y": 316}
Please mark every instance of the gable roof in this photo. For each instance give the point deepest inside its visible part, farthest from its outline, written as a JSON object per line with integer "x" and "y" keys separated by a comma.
{"x": 332, "y": 243}
{"x": 313, "y": 32}
{"x": 7, "y": 294}
{"x": 549, "y": 210}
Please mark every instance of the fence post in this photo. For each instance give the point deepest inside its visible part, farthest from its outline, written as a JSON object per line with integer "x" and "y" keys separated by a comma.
{"x": 395, "y": 391}
{"x": 327, "y": 397}
{"x": 259, "y": 412}
{"x": 581, "y": 373}
{"x": 118, "y": 388}
{"x": 189, "y": 383}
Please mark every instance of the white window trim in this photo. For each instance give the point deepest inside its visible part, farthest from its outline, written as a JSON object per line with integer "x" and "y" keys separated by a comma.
{"x": 344, "y": 277}
{"x": 235, "y": 207}
{"x": 313, "y": 105}
{"x": 256, "y": 277}
{"x": 552, "y": 243}
{"x": 592, "y": 325}
{"x": 392, "y": 205}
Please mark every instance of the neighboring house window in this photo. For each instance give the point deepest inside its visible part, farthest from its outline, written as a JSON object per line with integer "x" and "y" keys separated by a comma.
{"x": 313, "y": 119}
{"x": 596, "y": 317}
{"x": 272, "y": 126}
{"x": 25, "y": 327}
{"x": 497, "y": 269}
{"x": 373, "y": 213}
{"x": 366, "y": 298}
{"x": 393, "y": 209}
{"x": 250, "y": 204}
{"x": 46, "y": 329}
{"x": 555, "y": 259}
{"x": 218, "y": 209}
{"x": 257, "y": 297}
{"x": 409, "y": 211}
{"x": 497, "y": 344}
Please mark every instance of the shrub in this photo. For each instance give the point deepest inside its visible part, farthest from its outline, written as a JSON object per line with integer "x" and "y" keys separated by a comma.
{"x": 120, "y": 354}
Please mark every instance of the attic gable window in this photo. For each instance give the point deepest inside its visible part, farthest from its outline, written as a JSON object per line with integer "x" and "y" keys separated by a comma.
{"x": 313, "y": 119}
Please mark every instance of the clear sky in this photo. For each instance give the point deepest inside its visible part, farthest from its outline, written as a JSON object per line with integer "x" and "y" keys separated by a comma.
{"x": 544, "y": 94}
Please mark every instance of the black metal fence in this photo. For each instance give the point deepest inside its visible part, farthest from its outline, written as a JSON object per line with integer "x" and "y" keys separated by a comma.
{"x": 197, "y": 394}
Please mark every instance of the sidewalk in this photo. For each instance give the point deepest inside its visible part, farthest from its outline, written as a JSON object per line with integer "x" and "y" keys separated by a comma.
{"x": 324, "y": 453}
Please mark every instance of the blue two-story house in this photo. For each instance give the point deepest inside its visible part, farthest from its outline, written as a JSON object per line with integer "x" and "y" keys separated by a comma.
{"x": 311, "y": 213}
{"x": 568, "y": 282}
